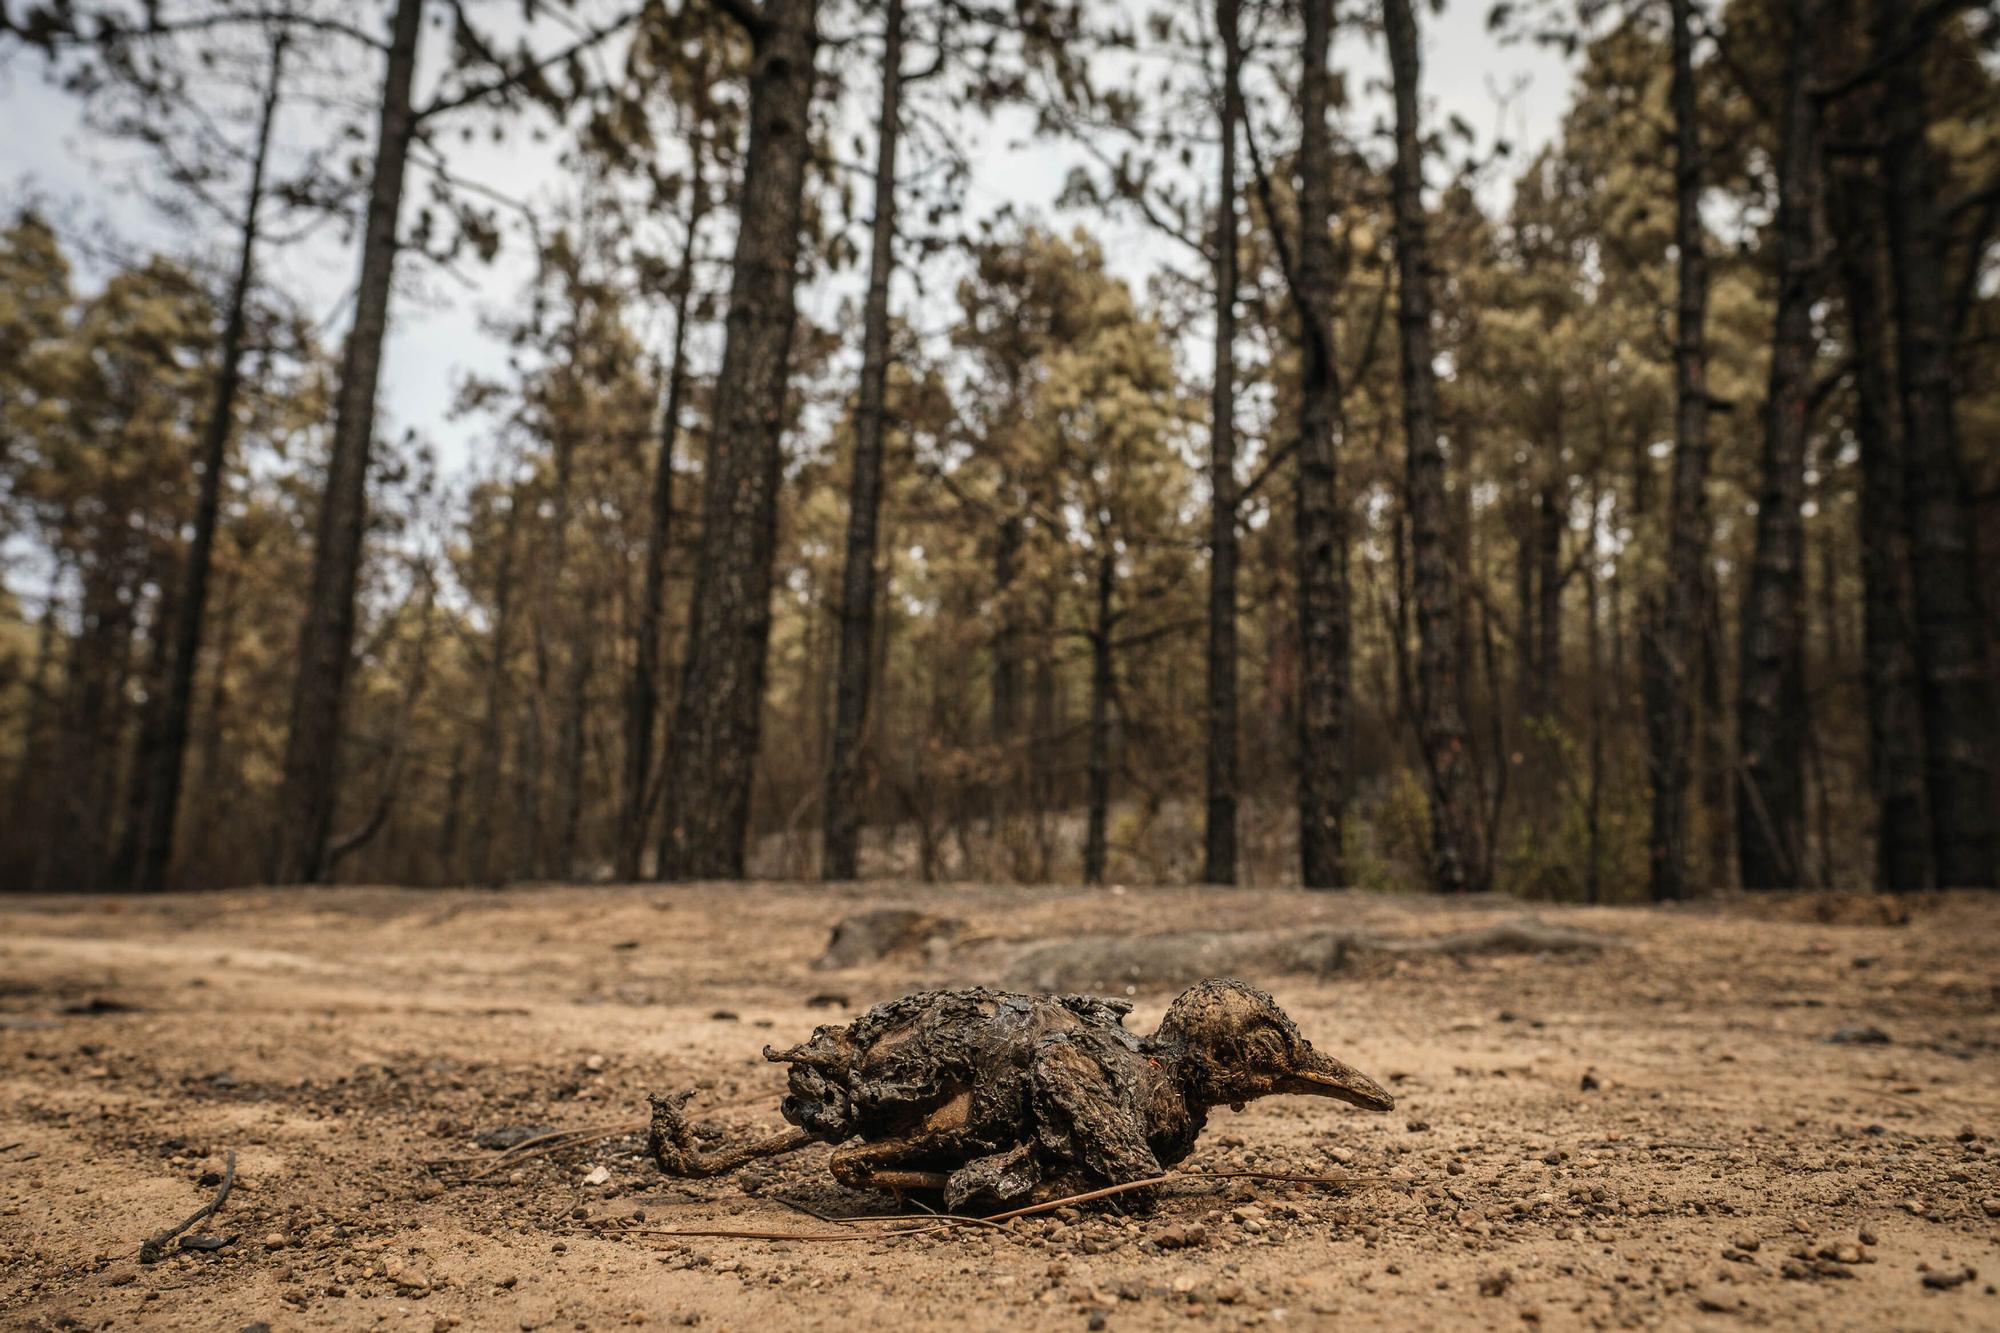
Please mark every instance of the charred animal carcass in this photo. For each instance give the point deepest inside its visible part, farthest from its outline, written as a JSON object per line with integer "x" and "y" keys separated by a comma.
{"x": 995, "y": 1098}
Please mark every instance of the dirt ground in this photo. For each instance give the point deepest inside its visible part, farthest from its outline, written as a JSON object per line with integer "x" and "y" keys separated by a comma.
{"x": 1663, "y": 1133}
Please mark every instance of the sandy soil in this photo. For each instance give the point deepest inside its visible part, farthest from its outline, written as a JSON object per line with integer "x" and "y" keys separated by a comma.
{"x": 1659, "y": 1135}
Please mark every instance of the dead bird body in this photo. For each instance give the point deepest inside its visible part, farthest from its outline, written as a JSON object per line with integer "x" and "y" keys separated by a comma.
{"x": 995, "y": 1097}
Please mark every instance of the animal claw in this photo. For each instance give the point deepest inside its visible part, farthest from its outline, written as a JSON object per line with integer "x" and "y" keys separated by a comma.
{"x": 669, "y": 1133}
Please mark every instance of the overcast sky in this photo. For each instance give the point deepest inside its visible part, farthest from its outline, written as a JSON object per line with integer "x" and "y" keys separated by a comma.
{"x": 438, "y": 334}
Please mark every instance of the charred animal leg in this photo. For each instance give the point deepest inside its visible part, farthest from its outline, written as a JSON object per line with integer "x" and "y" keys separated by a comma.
{"x": 896, "y": 1181}
{"x": 670, "y": 1142}
{"x": 864, "y": 1166}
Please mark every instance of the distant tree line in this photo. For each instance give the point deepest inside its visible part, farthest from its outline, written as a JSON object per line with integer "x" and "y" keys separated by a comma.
{"x": 1634, "y": 537}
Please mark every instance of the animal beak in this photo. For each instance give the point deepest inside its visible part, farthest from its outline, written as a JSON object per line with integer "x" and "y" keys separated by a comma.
{"x": 1324, "y": 1076}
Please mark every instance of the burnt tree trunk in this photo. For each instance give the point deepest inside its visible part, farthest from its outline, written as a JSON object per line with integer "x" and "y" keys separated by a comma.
{"x": 486, "y": 780}
{"x": 1896, "y": 766}
{"x": 1951, "y": 641}
{"x": 22, "y": 794}
{"x": 1219, "y": 853}
{"x": 1593, "y": 646}
{"x": 156, "y": 835}
{"x": 1096, "y": 834}
{"x": 574, "y": 735}
{"x": 1005, "y": 707}
{"x": 1322, "y": 530}
{"x": 635, "y": 815}
{"x": 96, "y": 681}
{"x": 555, "y": 619}
{"x": 123, "y": 868}
{"x": 210, "y": 780}
{"x": 1001, "y": 787}
{"x": 1455, "y": 857}
{"x": 446, "y": 851}
{"x": 845, "y": 790}
{"x": 1675, "y": 624}
{"x": 1771, "y": 679}
{"x": 1526, "y": 546}
{"x": 1833, "y": 667}
{"x": 326, "y": 641}
{"x": 1615, "y": 596}
{"x": 1550, "y": 521}
{"x": 397, "y": 742}
{"x": 1044, "y": 703}
{"x": 528, "y": 768}
{"x": 719, "y": 715}
{"x": 1716, "y": 778}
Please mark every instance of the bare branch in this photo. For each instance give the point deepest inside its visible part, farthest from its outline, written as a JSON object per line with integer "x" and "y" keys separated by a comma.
{"x": 514, "y": 79}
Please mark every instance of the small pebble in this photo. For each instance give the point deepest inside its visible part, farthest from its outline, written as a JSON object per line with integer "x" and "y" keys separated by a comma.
{"x": 1947, "y": 1281}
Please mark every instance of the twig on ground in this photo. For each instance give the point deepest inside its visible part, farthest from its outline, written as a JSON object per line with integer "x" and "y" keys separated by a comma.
{"x": 1170, "y": 1177}
{"x": 1086, "y": 1197}
{"x": 789, "y": 1235}
{"x": 944, "y": 1221}
{"x": 964, "y": 1219}
{"x": 548, "y": 1136}
{"x": 1344, "y": 1179}
{"x": 544, "y": 1144}
{"x": 151, "y": 1248}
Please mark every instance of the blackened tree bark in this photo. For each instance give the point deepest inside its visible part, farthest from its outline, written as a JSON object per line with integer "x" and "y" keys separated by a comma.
{"x": 151, "y": 741}
{"x": 96, "y": 681}
{"x": 210, "y": 777}
{"x": 844, "y": 787}
{"x": 415, "y": 674}
{"x": 446, "y": 850}
{"x": 1455, "y": 857}
{"x": 568, "y": 608}
{"x": 1593, "y": 877}
{"x": 1219, "y": 858}
{"x": 129, "y": 823}
{"x": 167, "y": 757}
{"x": 1096, "y": 841}
{"x": 1896, "y": 765}
{"x": 1551, "y": 520}
{"x": 305, "y": 803}
{"x": 635, "y": 814}
{"x": 486, "y": 780}
{"x": 1953, "y": 680}
{"x": 1714, "y": 772}
{"x": 23, "y": 788}
{"x": 1671, "y": 655}
{"x": 718, "y": 717}
{"x": 1044, "y": 708}
{"x": 1771, "y": 679}
{"x": 1322, "y": 529}
{"x": 575, "y": 740}
{"x": 1005, "y": 707}
{"x": 1527, "y": 545}
{"x": 529, "y": 766}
